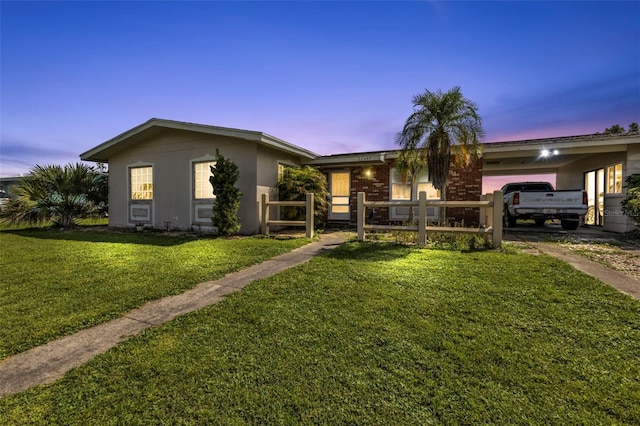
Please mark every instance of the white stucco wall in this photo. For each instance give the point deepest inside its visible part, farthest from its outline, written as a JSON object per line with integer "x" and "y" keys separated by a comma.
{"x": 171, "y": 152}
{"x": 572, "y": 177}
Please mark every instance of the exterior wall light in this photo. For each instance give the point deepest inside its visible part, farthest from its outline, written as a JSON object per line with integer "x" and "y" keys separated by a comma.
{"x": 546, "y": 153}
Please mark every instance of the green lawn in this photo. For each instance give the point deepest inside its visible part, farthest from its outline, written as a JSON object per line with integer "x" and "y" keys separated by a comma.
{"x": 57, "y": 282}
{"x": 374, "y": 333}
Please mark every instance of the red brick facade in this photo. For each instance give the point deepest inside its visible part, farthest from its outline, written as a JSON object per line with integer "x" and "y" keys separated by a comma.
{"x": 465, "y": 184}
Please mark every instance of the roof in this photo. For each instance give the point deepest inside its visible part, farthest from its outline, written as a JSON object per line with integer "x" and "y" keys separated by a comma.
{"x": 526, "y": 156}
{"x": 102, "y": 152}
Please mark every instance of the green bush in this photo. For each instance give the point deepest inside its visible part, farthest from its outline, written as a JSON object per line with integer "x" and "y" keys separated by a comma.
{"x": 295, "y": 184}
{"x": 631, "y": 204}
{"x": 59, "y": 194}
{"x": 225, "y": 208}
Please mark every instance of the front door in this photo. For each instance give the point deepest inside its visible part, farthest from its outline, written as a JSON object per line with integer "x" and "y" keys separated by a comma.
{"x": 594, "y": 185}
{"x": 340, "y": 186}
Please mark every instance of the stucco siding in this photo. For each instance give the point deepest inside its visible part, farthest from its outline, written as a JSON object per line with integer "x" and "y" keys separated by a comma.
{"x": 171, "y": 154}
{"x": 633, "y": 159}
{"x": 572, "y": 177}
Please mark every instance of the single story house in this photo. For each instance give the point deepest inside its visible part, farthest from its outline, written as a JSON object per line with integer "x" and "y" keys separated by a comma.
{"x": 159, "y": 170}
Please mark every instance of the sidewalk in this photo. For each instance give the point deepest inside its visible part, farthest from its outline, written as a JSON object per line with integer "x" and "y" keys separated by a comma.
{"x": 47, "y": 363}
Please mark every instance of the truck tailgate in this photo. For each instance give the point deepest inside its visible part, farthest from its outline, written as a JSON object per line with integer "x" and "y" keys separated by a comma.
{"x": 551, "y": 199}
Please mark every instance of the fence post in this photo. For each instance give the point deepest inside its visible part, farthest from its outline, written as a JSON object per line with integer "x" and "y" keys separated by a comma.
{"x": 361, "y": 214}
{"x": 498, "y": 203}
{"x": 265, "y": 214}
{"x": 422, "y": 218}
{"x": 484, "y": 211}
{"x": 309, "y": 210}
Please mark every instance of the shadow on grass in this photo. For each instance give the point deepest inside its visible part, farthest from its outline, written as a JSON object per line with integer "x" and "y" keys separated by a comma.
{"x": 370, "y": 251}
{"x": 96, "y": 236}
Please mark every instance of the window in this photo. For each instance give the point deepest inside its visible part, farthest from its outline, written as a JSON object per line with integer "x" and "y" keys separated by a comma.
{"x": 281, "y": 168}
{"x": 402, "y": 191}
{"x": 141, "y": 183}
{"x": 614, "y": 179}
{"x": 202, "y": 189}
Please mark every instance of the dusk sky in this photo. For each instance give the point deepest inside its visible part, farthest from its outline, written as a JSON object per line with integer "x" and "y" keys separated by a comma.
{"x": 332, "y": 77}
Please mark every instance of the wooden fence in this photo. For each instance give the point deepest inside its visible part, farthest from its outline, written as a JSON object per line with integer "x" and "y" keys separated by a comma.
{"x": 308, "y": 223}
{"x": 491, "y": 206}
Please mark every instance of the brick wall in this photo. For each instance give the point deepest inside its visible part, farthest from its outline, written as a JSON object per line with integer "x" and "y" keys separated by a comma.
{"x": 465, "y": 184}
{"x": 373, "y": 180}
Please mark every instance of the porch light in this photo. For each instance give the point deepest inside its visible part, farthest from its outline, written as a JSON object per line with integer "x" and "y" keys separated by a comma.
{"x": 545, "y": 153}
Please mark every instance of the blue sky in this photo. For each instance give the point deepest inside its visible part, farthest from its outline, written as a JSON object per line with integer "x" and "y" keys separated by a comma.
{"x": 332, "y": 77}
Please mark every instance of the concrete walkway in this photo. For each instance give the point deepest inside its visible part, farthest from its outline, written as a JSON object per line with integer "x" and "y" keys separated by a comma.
{"x": 615, "y": 279}
{"x": 47, "y": 363}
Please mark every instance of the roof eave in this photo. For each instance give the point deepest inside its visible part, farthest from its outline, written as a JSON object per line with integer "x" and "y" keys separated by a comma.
{"x": 100, "y": 153}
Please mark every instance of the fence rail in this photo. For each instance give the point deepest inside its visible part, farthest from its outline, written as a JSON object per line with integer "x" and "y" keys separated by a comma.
{"x": 491, "y": 206}
{"x": 307, "y": 223}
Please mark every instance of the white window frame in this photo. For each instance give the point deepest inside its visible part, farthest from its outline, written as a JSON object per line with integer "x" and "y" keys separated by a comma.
{"x": 422, "y": 184}
{"x": 201, "y": 208}
{"x": 196, "y": 191}
{"x": 615, "y": 174}
{"x": 140, "y": 210}
{"x": 133, "y": 180}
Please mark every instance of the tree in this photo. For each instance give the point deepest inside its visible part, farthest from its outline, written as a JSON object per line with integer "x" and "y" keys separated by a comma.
{"x": 442, "y": 124}
{"x": 225, "y": 209}
{"x": 633, "y": 127}
{"x": 615, "y": 129}
{"x": 631, "y": 204}
{"x": 410, "y": 164}
{"x": 59, "y": 194}
{"x": 295, "y": 183}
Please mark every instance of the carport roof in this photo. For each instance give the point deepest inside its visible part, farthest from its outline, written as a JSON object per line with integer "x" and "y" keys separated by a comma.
{"x": 525, "y": 156}
{"x": 102, "y": 152}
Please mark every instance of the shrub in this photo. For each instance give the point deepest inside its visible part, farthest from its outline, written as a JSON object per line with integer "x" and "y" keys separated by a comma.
{"x": 61, "y": 194}
{"x": 631, "y": 204}
{"x": 225, "y": 209}
{"x": 295, "y": 183}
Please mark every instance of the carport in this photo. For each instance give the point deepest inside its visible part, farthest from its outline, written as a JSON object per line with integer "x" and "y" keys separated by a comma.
{"x": 597, "y": 163}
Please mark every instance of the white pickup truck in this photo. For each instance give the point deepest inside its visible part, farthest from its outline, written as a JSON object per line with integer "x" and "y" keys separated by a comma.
{"x": 539, "y": 201}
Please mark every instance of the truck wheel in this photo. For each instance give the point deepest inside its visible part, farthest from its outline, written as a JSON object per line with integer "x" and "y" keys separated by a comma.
{"x": 540, "y": 222}
{"x": 509, "y": 221}
{"x": 570, "y": 225}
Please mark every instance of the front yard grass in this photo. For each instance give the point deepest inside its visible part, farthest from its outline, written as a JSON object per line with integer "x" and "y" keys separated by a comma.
{"x": 57, "y": 282}
{"x": 374, "y": 333}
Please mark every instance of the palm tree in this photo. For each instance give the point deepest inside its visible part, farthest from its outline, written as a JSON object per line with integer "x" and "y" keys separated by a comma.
{"x": 442, "y": 124}
{"x": 58, "y": 194}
